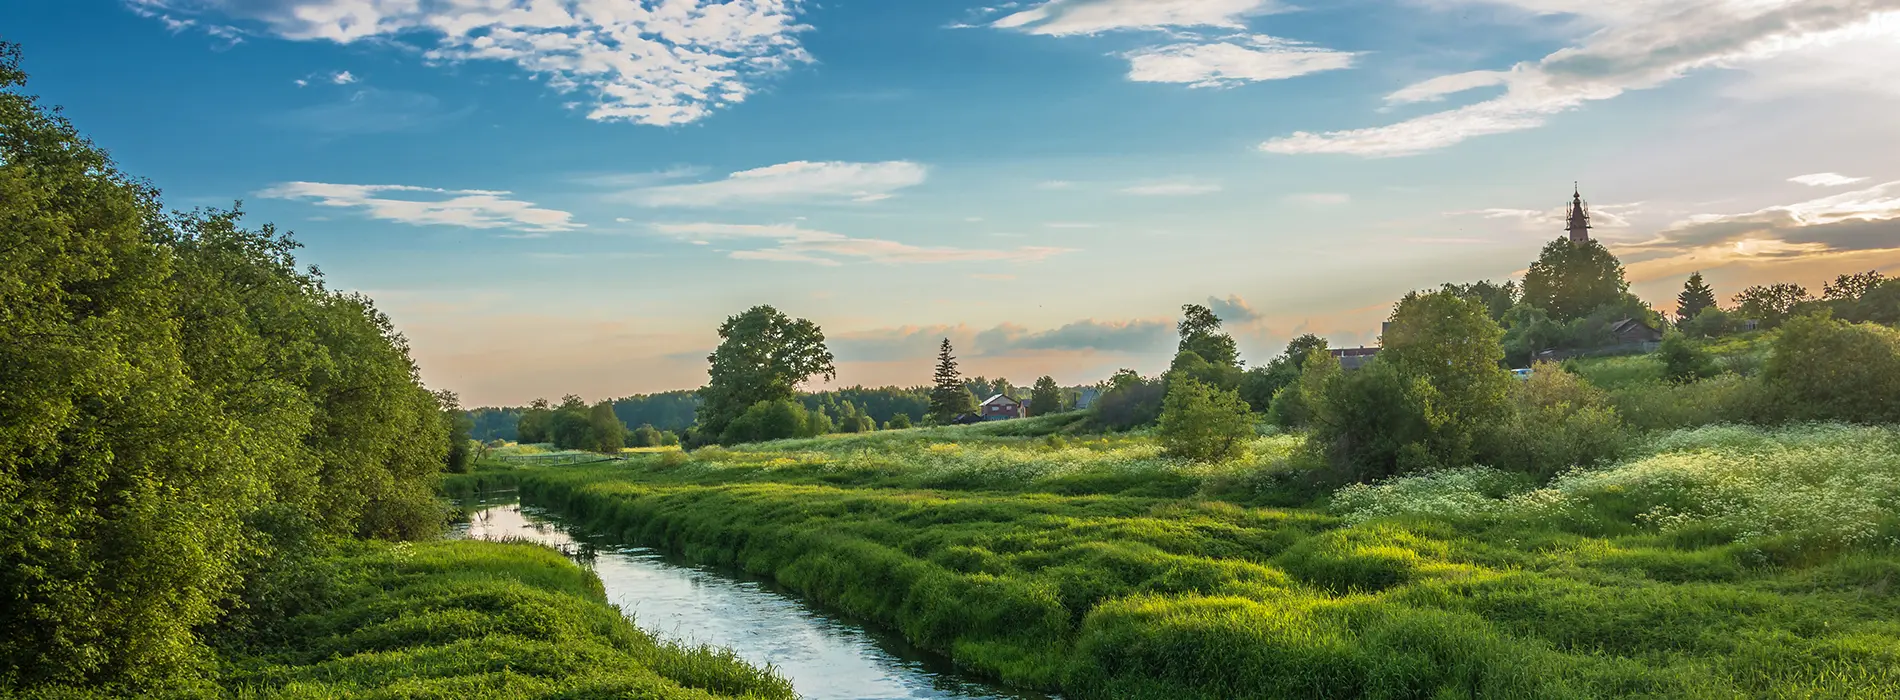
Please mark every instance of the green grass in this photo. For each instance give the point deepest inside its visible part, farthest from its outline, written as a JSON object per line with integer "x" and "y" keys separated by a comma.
{"x": 1100, "y": 568}
{"x": 468, "y": 619}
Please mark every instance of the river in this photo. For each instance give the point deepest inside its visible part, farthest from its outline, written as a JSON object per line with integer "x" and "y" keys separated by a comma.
{"x": 825, "y": 656}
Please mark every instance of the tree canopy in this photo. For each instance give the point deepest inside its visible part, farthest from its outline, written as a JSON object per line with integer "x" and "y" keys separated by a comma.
{"x": 1201, "y": 335}
{"x": 1696, "y": 296}
{"x": 763, "y": 355}
{"x": 1570, "y": 280}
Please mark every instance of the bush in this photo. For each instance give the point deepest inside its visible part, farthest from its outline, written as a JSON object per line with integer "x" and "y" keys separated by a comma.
{"x": 1204, "y": 423}
{"x": 1684, "y": 360}
{"x": 1129, "y": 402}
{"x": 1292, "y": 405}
{"x": 1557, "y": 422}
{"x": 1823, "y": 369}
{"x": 1661, "y": 405}
{"x": 898, "y": 422}
{"x": 768, "y": 420}
{"x": 1371, "y": 423}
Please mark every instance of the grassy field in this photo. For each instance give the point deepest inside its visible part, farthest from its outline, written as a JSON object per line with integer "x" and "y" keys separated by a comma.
{"x": 1714, "y": 563}
{"x": 462, "y": 619}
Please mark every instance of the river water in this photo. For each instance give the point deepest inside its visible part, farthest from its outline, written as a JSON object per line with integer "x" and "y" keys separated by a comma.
{"x": 825, "y": 657}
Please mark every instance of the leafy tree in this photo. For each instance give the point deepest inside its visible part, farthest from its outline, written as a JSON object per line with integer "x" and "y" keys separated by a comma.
{"x": 1880, "y": 304}
{"x": 461, "y": 442}
{"x": 1684, "y": 360}
{"x": 1203, "y": 423}
{"x": 1710, "y": 323}
{"x": 1557, "y": 422}
{"x": 572, "y": 426}
{"x": 898, "y": 422}
{"x": 1497, "y": 298}
{"x": 1045, "y": 398}
{"x": 1864, "y": 297}
{"x": 1372, "y": 423}
{"x": 1772, "y": 304}
{"x": 1824, "y": 369}
{"x": 537, "y": 423}
{"x": 1570, "y": 280}
{"x": 817, "y": 423}
{"x": 1200, "y": 334}
{"x": 1696, "y": 297}
{"x": 1260, "y": 384}
{"x": 762, "y": 357}
{"x": 949, "y": 398}
{"x": 1852, "y": 287}
{"x": 645, "y": 436}
{"x": 1129, "y": 401}
{"x": 606, "y": 434}
{"x": 1291, "y": 407}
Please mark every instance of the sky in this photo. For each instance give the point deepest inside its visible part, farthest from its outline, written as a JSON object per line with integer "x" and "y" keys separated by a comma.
{"x": 569, "y": 196}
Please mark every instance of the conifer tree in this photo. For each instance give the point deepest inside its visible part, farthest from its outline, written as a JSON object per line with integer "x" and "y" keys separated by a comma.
{"x": 948, "y": 398}
{"x": 1695, "y": 297}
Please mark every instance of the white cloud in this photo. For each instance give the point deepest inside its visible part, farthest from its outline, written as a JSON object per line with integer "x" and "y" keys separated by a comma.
{"x": 1322, "y": 199}
{"x": 1233, "y": 61}
{"x": 790, "y": 243}
{"x": 1065, "y": 17}
{"x": 1055, "y": 185}
{"x": 342, "y": 77}
{"x": 795, "y": 181}
{"x": 301, "y": 82}
{"x": 1233, "y": 309}
{"x": 1634, "y": 45}
{"x": 656, "y": 63}
{"x": 429, "y": 206}
{"x": 1826, "y": 180}
{"x": 1172, "y": 189}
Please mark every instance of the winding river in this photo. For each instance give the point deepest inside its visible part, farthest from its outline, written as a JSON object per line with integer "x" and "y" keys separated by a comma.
{"x": 826, "y": 657}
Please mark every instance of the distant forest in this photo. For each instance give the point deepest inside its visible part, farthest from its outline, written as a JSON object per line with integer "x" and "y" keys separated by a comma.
{"x": 674, "y": 410}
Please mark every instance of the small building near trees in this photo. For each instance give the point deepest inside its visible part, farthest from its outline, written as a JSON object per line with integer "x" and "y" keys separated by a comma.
{"x": 1353, "y": 358}
{"x": 1002, "y": 407}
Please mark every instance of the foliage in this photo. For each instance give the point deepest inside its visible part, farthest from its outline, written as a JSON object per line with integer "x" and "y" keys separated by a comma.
{"x": 1557, "y": 422}
{"x": 605, "y": 431}
{"x": 1866, "y": 297}
{"x": 165, "y": 382}
{"x": 1823, "y": 369}
{"x": 1663, "y": 405}
{"x": 1710, "y": 323}
{"x": 1200, "y": 334}
{"x": 461, "y": 455}
{"x": 1684, "y": 360}
{"x": 1771, "y": 304}
{"x": 536, "y": 424}
{"x": 763, "y": 356}
{"x": 1130, "y": 401}
{"x": 1696, "y": 297}
{"x": 1498, "y": 299}
{"x": 466, "y": 619}
{"x": 1292, "y": 405}
{"x": 1045, "y": 398}
{"x": 773, "y": 420}
{"x": 1571, "y": 280}
{"x": 1259, "y": 385}
{"x": 1203, "y": 423}
{"x": 948, "y": 397}
{"x": 898, "y": 422}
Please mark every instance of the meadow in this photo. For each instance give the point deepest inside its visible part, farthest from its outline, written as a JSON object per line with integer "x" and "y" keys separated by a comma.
{"x": 1712, "y": 562}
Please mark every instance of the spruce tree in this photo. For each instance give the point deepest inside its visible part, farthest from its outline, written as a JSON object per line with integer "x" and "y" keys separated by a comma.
{"x": 948, "y": 398}
{"x": 1695, "y": 297}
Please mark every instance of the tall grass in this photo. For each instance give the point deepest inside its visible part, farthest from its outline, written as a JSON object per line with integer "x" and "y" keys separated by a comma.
{"x": 1097, "y": 567}
{"x": 468, "y": 620}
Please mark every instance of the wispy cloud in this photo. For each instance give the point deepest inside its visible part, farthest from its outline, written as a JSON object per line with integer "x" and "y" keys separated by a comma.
{"x": 791, "y": 243}
{"x": 648, "y": 63}
{"x": 1233, "y": 309}
{"x": 1232, "y": 61}
{"x": 798, "y": 181}
{"x": 1846, "y": 223}
{"x": 1069, "y": 17}
{"x": 342, "y": 77}
{"x": 373, "y": 111}
{"x": 1172, "y": 189}
{"x": 429, "y": 206}
{"x": 1632, "y": 45}
{"x": 1826, "y": 180}
{"x": 1106, "y": 336}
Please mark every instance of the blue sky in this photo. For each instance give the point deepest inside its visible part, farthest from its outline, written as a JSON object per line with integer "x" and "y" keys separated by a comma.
{"x": 567, "y": 196}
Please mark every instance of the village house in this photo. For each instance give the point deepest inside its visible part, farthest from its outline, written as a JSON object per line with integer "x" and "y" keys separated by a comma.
{"x": 1353, "y": 358}
{"x": 1002, "y": 407}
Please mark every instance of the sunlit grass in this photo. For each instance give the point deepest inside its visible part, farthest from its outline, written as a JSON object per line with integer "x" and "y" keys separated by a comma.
{"x": 1096, "y": 565}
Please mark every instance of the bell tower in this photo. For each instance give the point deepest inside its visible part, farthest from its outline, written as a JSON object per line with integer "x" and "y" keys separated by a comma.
{"x": 1579, "y": 218}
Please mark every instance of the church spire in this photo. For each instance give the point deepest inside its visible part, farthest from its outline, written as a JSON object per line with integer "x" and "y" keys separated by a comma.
{"x": 1579, "y": 218}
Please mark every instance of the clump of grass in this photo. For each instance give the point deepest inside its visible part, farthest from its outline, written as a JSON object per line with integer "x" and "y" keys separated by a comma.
{"x": 470, "y": 619}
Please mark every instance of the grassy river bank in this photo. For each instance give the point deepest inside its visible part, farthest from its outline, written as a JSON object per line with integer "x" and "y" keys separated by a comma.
{"x": 1715, "y": 563}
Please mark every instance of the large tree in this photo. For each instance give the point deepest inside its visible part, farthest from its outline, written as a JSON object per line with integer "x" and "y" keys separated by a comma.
{"x": 1201, "y": 335}
{"x": 1045, "y": 398}
{"x": 1695, "y": 297}
{"x": 763, "y": 355}
{"x": 1771, "y": 304}
{"x": 948, "y": 396}
{"x": 1570, "y": 280}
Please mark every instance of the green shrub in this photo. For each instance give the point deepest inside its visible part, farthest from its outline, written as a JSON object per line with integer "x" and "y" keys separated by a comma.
{"x": 1203, "y": 423}
{"x": 1557, "y": 422}
{"x": 1824, "y": 369}
{"x": 1684, "y": 360}
{"x": 1661, "y": 405}
{"x": 1129, "y": 402}
{"x": 769, "y": 420}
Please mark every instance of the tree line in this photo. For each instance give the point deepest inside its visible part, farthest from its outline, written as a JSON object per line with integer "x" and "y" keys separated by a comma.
{"x": 179, "y": 403}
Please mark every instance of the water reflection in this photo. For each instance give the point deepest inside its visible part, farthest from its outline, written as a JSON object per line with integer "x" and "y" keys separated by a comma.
{"x": 825, "y": 657}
